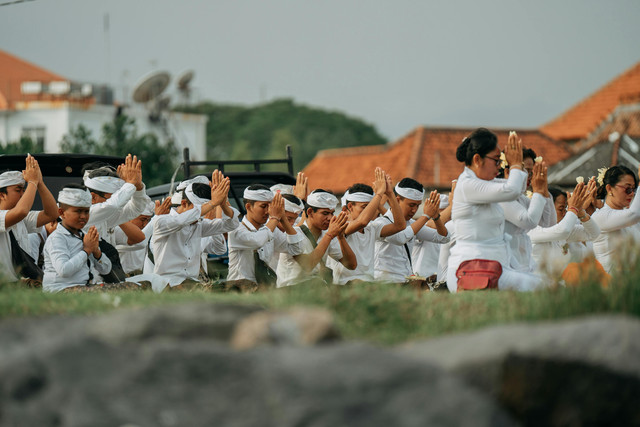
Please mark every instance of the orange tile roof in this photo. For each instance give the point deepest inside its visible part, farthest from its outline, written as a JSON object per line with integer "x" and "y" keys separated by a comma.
{"x": 14, "y": 72}
{"x": 583, "y": 118}
{"x": 426, "y": 154}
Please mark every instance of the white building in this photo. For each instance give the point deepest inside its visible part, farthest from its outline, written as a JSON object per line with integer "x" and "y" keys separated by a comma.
{"x": 37, "y": 103}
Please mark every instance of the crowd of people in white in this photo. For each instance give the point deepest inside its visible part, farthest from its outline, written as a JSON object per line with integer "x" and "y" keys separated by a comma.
{"x": 500, "y": 227}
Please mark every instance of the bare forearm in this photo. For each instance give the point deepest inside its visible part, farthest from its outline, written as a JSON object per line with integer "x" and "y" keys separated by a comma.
{"x": 348, "y": 257}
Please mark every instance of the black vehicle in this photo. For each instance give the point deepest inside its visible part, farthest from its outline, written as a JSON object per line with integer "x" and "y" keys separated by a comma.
{"x": 57, "y": 169}
{"x": 239, "y": 180}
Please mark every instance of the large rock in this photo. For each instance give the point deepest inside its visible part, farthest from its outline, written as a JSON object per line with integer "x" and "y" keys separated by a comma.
{"x": 141, "y": 376}
{"x": 576, "y": 372}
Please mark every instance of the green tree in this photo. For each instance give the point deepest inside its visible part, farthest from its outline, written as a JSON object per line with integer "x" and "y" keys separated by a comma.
{"x": 22, "y": 146}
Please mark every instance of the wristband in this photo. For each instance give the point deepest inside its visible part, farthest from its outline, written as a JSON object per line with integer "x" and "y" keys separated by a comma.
{"x": 35, "y": 183}
{"x": 274, "y": 217}
{"x": 574, "y": 210}
{"x": 436, "y": 217}
{"x": 428, "y": 217}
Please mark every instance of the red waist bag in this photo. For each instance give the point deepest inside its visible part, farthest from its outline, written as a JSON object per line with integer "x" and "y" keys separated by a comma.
{"x": 478, "y": 274}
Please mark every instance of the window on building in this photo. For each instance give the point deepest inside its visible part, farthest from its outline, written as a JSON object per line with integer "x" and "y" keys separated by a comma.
{"x": 36, "y": 134}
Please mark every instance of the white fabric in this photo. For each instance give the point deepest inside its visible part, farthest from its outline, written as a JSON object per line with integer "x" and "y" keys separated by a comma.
{"x": 132, "y": 256}
{"x": 551, "y": 249}
{"x": 410, "y": 193}
{"x": 200, "y": 179}
{"x": 176, "y": 198}
{"x": 363, "y": 245}
{"x": 258, "y": 195}
{"x": 176, "y": 244}
{"x": 425, "y": 256}
{"x": 282, "y": 188}
{"x": 150, "y": 209}
{"x": 105, "y": 184}
{"x": 479, "y": 227}
{"x": 522, "y": 215}
{"x": 11, "y": 178}
{"x": 75, "y": 197}
{"x": 322, "y": 200}
{"x": 343, "y": 199}
{"x": 216, "y": 245}
{"x": 243, "y": 242}
{"x": 292, "y": 207}
{"x": 65, "y": 263}
{"x": 21, "y": 232}
{"x": 360, "y": 197}
{"x": 289, "y": 271}
{"x": 616, "y": 225}
{"x": 444, "y": 201}
{"x": 196, "y": 200}
{"x": 391, "y": 261}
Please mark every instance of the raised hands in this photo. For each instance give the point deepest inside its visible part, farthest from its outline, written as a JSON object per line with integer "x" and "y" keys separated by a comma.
{"x": 276, "y": 207}
{"x": 539, "y": 179}
{"x": 513, "y": 151}
{"x": 219, "y": 191}
{"x": 338, "y": 225}
{"x": 31, "y": 172}
{"x": 163, "y": 208}
{"x": 301, "y": 189}
{"x": 379, "y": 182}
{"x": 432, "y": 205}
{"x": 577, "y": 199}
{"x": 592, "y": 190}
{"x": 90, "y": 242}
{"x": 131, "y": 171}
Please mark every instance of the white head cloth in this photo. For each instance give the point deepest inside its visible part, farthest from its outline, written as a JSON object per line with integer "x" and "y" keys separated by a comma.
{"x": 322, "y": 200}
{"x": 105, "y": 184}
{"x": 192, "y": 197}
{"x": 75, "y": 197}
{"x": 409, "y": 193}
{"x": 258, "y": 195}
{"x": 200, "y": 179}
{"x": 149, "y": 209}
{"x": 283, "y": 188}
{"x": 343, "y": 199}
{"x": 292, "y": 207}
{"x": 11, "y": 178}
{"x": 359, "y": 197}
{"x": 176, "y": 198}
{"x": 444, "y": 201}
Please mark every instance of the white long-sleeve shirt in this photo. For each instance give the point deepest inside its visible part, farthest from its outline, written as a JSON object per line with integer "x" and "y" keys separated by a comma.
{"x": 616, "y": 226}
{"x": 392, "y": 261}
{"x": 479, "y": 226}
{"x": 363, "y": 245}
{"x": 551, "y": 248}
{"x": 246, "y": 239}
{"x": 216, "y": 245}
{"x": 176, "y": 242}
{"x": 522, "y": 215}
{"x": 21, "y": 232}
{"x": 65, "y": 261}
{"x": 132, "y": 256}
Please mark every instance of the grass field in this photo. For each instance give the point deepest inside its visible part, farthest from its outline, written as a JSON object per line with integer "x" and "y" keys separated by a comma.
{"x": 379, "y": 313}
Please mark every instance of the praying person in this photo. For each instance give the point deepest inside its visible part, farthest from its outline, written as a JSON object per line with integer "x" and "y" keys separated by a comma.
{"x": 17, "y": 193}
{"x": 69, "y": 253}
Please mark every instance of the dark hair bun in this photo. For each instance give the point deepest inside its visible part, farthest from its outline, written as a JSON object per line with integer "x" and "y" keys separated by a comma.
{"x": 461, "y": 152}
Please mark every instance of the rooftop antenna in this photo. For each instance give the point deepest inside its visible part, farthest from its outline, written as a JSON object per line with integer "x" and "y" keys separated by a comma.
{"x": 184, "y": 85}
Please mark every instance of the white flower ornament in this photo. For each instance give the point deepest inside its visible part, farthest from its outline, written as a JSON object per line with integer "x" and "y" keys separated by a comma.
{"x": 601, "y": 173}
{"x": 538, "y": 159}
{"x": 580, "y": 180}
{"x": 504, "y": 163}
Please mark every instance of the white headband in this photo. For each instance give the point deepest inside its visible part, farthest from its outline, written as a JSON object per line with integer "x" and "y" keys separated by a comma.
{"x": 258, "y": 195}
{"x": 11, "y": 178}
{"x": 75, "y": 197}
{"x": 409, "y": 193}
{"x": 343, "y": 199}
{"x": 193, "y": 198}
{"x": 105, "y": 184}
{"x": 149, "y": 209}
{"x": 283, "y": 188}
{"x": 359, "y": 197}
{"x": 322, "y": 200}
{"x": 444, "y": 201}
{"x": 200, "y": 179}
{"x": 292, "y": 207}
{"x": 176, "y": 199}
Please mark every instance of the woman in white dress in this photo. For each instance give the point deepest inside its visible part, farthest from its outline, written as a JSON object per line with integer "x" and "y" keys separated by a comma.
{"x": 619, "y": 217}
{"x": 477, "y": 216}
{"x": 555, "y": 247}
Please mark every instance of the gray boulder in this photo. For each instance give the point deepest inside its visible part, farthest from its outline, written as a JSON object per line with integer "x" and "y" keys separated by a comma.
{"x": 576, "y": 372}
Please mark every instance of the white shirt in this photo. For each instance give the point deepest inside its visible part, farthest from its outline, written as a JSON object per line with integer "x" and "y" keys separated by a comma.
{"x": 363, "y": 245}
{"x": 132, "y": 256}
{"x": 216, "y": 245}
{"x": 176, "y": 242}
{"x": 392, "y": 261}
{"x": 245, "y": 240}
{"x": 289, "y": 271}
{"x": 65, "y": 263}
{"x": 551, "y": 248}
{"x": 616, "y": 225}
{"x": 21, "y": 232}
{"x": 522, "y": 215}
{"x": 123, "y": 205}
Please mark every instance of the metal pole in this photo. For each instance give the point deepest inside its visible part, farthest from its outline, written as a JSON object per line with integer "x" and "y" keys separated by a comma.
{"x": 185, "y": 156}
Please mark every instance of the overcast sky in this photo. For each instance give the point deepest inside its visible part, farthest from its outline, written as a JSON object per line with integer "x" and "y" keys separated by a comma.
{"x": 396, "y": 64}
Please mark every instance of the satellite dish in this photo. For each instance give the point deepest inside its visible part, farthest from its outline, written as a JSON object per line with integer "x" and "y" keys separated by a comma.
{"x": 184, "y": 80}
{"x": 151, "y": 86}
{"x": 163, "y": 102}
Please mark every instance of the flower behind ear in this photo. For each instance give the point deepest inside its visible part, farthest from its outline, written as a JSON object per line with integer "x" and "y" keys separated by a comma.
{"x": 601, "y": 173}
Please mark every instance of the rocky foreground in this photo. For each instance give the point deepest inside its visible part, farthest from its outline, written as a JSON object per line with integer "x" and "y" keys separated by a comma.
{"x": 224, "y": 365}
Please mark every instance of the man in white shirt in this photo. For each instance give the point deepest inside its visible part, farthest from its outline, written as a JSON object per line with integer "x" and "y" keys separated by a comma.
{"x": 362, "y": 203}
{"x": 426, "y": 254}
{"x": 253, "y": 243}
{"x": 177, "y": 237}
{"x": 324, "y": 236}
{"x": 16, "y": 218}
{"x": 393, "y": 253}
{"x": 126, "y": 235}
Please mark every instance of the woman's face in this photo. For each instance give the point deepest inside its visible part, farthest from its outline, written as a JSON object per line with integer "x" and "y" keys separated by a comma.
{"x": 487, "y": 167}
{"x": 561, "y": 206}
{"x": 620, "y": 195}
